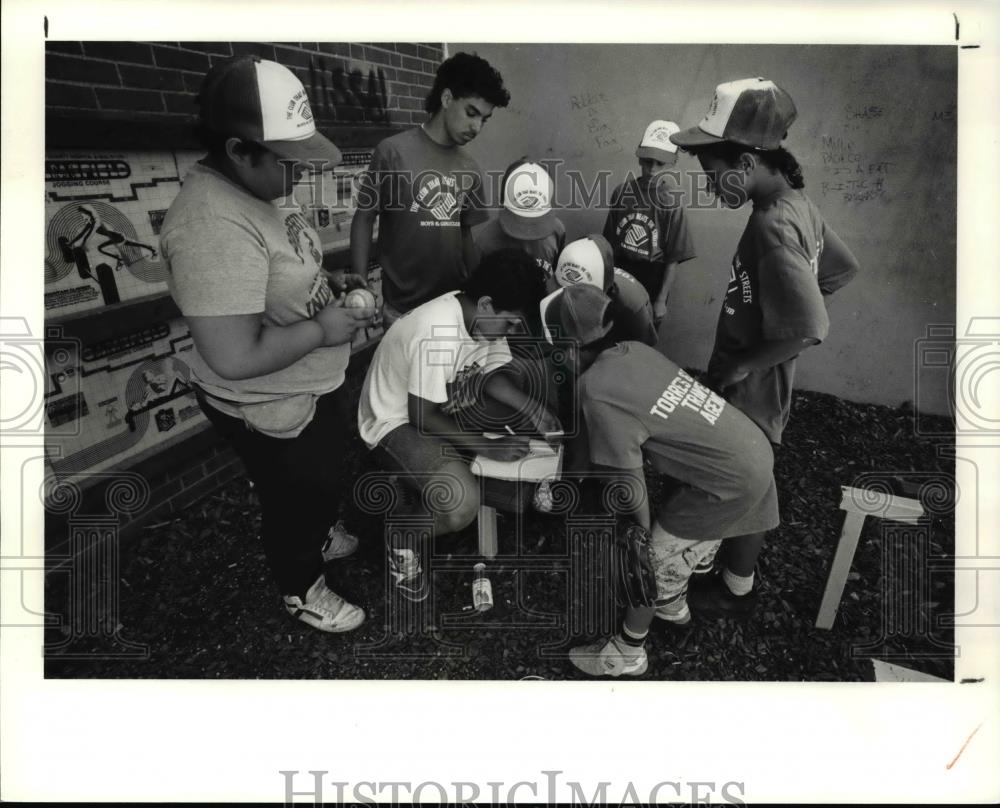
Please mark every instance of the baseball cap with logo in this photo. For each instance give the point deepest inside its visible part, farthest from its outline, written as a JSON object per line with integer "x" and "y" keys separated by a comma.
{"x": 753, "y": 112}
{"x": 263, "y": 101}
{"x": 587, "y": 260}
{"x": 527, "y": 201}
{"x": 580, "y": 313}
{"x": 656, "y": 143}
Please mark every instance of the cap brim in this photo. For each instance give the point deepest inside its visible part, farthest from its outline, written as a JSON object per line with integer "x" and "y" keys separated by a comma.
{"x": 543, "y": 308}
{"x": 694, "y": 136}
{"x": 651, "y": 153}
{"x": 318, "y": 150}
{"x": 525, "y": 228}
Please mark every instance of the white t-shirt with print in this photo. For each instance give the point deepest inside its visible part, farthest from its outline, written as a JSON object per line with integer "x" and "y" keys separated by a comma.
{"x": 430, "y": 354}
{"x": 230, "y": 253}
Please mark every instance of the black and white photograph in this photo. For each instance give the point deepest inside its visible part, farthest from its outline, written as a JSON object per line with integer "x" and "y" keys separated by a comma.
{"x": 639, "y": 377}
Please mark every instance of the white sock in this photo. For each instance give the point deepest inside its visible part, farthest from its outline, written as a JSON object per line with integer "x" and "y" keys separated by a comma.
{"x": 737, "y": 584}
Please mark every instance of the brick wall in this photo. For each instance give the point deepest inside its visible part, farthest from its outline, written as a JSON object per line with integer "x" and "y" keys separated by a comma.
{"x": 348, "y": 83}
{"x": 171, "y": 492}
{"x": 352, "y": 86}
{"x": 176, "y": 478}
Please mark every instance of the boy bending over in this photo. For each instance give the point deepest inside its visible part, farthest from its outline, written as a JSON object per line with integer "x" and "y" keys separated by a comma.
{"x": 433, "y": 387}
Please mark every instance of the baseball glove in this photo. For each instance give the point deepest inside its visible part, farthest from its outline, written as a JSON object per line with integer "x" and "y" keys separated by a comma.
{"x": 636, "y": 579}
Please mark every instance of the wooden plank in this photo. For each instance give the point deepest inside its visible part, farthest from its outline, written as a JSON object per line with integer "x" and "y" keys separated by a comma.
{"x": 887, "y": 672}
{"x": 847, "y": 544}
{"x": 868, "y": 502}
{"x": 487, "y": 531}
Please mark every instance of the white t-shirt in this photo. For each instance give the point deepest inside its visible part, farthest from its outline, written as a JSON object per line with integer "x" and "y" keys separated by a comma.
{"x": 430, "y": 354}
{"x": 230, "y": 253}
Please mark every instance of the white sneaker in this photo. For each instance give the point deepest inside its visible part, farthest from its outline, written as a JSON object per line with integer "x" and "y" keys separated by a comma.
{"x": 608, "y": 658}
{"x": 339, "y": 543}
{"x": 324, "y": 609}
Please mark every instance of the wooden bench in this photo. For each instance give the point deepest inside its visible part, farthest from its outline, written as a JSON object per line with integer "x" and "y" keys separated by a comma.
{"x": 503, "y": 494}
{"x": 858, "y": 504}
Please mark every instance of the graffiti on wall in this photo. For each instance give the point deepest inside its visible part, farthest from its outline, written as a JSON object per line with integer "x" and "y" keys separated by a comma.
{"x": 334, "y": 87}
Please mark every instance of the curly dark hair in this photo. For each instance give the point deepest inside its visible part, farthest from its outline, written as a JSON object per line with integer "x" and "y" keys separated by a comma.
{"x": 467, "y": 74}
{"x": 511, "y": 278}
{"x": 779, "y": 159}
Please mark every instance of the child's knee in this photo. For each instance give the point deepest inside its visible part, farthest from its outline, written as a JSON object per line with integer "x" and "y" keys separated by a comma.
{"x": 453, "y": 497}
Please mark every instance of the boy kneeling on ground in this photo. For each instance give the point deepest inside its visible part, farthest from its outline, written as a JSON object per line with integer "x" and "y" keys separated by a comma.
{"x": 637, "y": 403}
{"x": 439, "y": 378}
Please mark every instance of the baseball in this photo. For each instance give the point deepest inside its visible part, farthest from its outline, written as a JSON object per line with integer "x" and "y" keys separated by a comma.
{"x": 359, "y": 299}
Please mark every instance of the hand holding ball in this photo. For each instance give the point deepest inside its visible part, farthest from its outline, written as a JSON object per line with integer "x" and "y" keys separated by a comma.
{"x": 359, "y": 299}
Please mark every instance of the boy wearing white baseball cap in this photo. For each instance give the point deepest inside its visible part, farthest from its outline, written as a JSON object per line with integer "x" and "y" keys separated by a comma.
{"x": 526, "y": 221}
{"x": 786, "y": 261}
{"x": 590, "y": 260}
{"x": 270, "y": 345}
{"x": 646, "y": 224}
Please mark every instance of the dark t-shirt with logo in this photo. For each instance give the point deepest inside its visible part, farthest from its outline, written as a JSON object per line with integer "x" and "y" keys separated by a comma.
{"x": 633, "y": 313}
{"x": 647, "y": 227}
{"x": 637, "y": 402}
{"x": 425, "y": 194}
{"x": 491, "y": 237}
{"x": 773, "y": 294}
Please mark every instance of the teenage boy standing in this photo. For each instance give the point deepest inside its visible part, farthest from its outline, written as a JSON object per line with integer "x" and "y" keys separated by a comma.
{"x": 426, "y": 192}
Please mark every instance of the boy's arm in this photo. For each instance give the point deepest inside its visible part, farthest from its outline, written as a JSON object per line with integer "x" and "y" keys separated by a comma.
{"x": 615, "y": 441}
{"x": 609, "y": 228}
{"x": 500, "y": 387}
{"x": 660, "y": 301}
{"x": 793, "y": 315}
{"x": 362, "y": 227}
{"x": 837, "y": 264}
{"x": 370, "y": 200}
{"x": 627, "y": 489}
{"x": 678, "y": 246}
{"x": 240, "y": 346}
{"x": 761, "y": 357}
{"x": 428, "y": 418}
{"x": 470, "y": 252}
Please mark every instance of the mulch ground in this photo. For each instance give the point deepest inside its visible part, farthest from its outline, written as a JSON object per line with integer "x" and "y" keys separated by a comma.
{"x": 196, "y": 601}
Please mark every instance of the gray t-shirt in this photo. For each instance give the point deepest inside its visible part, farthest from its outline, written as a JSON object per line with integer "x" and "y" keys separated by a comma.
{"x": 638, "y": 403}
{"x": 774, "y": 293}
{"x": 230, "y": 253}
{"x": 425, "y": 194}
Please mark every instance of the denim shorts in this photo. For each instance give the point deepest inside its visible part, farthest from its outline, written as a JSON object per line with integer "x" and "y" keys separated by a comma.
{"x": 416, "y": 454}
